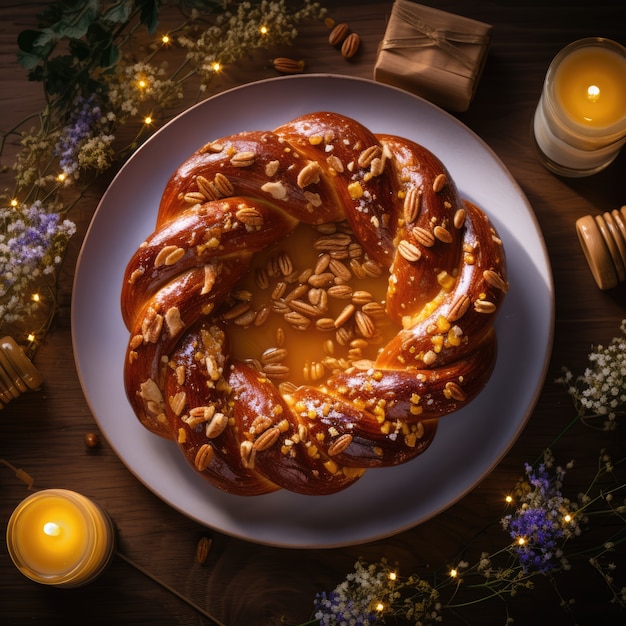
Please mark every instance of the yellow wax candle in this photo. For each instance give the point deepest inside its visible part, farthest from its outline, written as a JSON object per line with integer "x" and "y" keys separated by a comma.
{"x": 59, "y": 537}
{"x": 590, "y": 87}
{"x": 52, "y": 535}
{"x": 579, "y": 125}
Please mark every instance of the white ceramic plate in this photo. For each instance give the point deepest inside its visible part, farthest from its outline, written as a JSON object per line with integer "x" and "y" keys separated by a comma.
{"x": 468, "y": 444}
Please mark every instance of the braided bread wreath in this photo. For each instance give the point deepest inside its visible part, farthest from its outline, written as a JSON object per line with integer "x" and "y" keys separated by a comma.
{"x": 311, "y": 302}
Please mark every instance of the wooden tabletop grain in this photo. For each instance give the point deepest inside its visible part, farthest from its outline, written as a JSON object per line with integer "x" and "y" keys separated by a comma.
{"x": 244, "y": 584}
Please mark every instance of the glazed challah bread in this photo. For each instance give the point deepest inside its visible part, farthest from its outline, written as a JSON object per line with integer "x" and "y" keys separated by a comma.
{"x": 312, "y": 300}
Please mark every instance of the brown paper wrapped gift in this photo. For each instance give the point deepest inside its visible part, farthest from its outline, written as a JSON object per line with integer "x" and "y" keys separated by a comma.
{"x": 436, "y": 55}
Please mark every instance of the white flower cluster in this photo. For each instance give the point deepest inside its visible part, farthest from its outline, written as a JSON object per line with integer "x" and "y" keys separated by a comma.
{"x": 600, "y": 392}
{"x": 134, "y": 84}
{"x": 373, "y": 592}
{"x": 236, "y": 33}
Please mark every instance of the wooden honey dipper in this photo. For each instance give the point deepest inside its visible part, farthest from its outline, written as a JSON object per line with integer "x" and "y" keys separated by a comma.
{"x": 17, "y": 373}
{"x": 603, "y": 240}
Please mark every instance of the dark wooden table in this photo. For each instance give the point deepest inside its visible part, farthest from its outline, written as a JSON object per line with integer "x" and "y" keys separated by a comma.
{"x": 242, "y": 583}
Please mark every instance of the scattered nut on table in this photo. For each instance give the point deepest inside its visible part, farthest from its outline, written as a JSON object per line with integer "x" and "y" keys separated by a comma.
{"x": 350, "y": 45}
{"x": 338, "y": 34}
{"x": 92, "y": 440}
{"x": 202, "y": 549}
{"x": 288, "y": 66}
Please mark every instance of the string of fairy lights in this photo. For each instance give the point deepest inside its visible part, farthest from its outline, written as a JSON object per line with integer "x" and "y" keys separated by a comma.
{"x": 31, "y": 339}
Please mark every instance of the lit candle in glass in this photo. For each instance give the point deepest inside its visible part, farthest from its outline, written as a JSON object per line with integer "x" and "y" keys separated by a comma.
{"x": 59, "y": 537}
{"x": 580, "y": 122}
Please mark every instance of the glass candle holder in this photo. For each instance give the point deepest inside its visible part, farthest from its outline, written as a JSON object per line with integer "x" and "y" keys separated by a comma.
{"x": 60, "y": 537}
{"x": 579, "y": 125}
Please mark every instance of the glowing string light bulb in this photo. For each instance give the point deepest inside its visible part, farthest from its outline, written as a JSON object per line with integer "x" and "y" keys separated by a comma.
{"x": 14, "y": 202}
{"x": 264, "y": 30}
{"x": 165, "y": 39}
{"x": 216, "y": 66}
{"x": 453, "y": 573}
{"x": 36, "y": 297}
{"x": 147, "y": 120}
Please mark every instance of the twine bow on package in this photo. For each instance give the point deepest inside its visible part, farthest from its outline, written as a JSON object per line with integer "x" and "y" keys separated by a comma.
{"x": 436, "y": 55}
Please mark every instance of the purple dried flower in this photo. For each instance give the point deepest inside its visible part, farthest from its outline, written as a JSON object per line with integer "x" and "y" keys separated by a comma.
{"x": 541, "y": 532}
{"x": 32, "y": 240}
{"x": 539, "y": 525}
{"x": 335, "y": 609}
{"x": 81, "y": 127}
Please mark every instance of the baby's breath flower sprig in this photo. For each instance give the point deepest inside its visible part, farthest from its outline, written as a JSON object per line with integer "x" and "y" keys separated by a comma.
{"x": 374, "y": 592}
{"x": 33, "y": 238}
{"x": 599, "y": 394}
{"x": 98, "y": 75}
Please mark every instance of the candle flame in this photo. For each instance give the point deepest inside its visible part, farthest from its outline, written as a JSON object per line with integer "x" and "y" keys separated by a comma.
{"x": 593, "y": 93}
{"x": 51, "y": 529}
